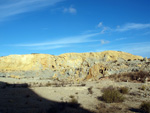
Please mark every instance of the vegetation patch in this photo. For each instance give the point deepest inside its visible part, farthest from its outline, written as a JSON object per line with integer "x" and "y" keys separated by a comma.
{"x": 145, "y": 107}
{"x": 111, "y": 95}
{"x": 143, "y": 87}
{"x": 90, "y": 91}
{"x": 74, "y": 101}
{"x": 71, "y": 96}
{"x": 124, "y": 90}
{"x": 139, "y": 76}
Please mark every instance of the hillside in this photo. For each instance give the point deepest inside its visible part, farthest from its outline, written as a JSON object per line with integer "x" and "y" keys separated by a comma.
{"x": 77, "y": 66}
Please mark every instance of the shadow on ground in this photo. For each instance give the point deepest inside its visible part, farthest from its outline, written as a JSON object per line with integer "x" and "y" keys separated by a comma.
{"x": 19, "y": 98}
{"x": 135, "y": 110}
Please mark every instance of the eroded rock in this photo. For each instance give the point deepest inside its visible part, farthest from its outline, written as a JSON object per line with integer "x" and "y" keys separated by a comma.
{"x": 76, "y": 66}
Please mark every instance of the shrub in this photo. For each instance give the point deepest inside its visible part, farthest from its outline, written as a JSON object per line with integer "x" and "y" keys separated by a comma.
{"x": 76, "y": 93}
{"x": 83, "y": 84}
{"x": 139, "y": 76}
{"x": 124, "y": 90}
{"x": 112, "y": 95}
{"x": 108, "y": 88}
{"x": 71, "y": 96}
{"x": 48, "y": 84}
{"x": 90, "y": 90}
{"x": 145, "y": 107}
{"x": 74, "y": 101}
{"x": 143, "y": 87}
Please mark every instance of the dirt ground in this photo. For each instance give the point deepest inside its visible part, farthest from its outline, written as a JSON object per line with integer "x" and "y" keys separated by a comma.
{"x": 47, "y": 96}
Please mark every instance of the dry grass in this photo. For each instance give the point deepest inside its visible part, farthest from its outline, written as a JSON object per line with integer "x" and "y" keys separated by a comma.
{"x": 143, "y": 87}
{"x": 145, "y": 107}
{"x": 131, "y": 77}
{"x": 103, "y": 108}
{"x": 124, "y": 90}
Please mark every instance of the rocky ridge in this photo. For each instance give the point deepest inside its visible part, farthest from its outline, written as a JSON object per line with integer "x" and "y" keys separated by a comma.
{"x": 73, "y": 66}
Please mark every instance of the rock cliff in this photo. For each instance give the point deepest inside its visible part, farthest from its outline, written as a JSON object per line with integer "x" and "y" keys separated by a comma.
{"x": 72, "y": 65}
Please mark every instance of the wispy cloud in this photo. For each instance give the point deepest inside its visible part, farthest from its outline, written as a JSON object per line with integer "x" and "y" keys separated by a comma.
{"x": 100, "y": 24}
{"x": 100, "y": 31}
{"x": 132, "y": 26}
{"x": 104, "y": 42}
{"x": 68, "y": 40}
{"x": 11, "y": 8}
{"x": 105, "y": 29}
{"x": 118, "y": 39}
{"x": 123, "y": 28}
{"x": 102, "y": 27}
{"x": 48, "y": 47}
{"x": 60, "y": 43}
{"x": 141, "y": 48}
{"x": 71, "y": 10}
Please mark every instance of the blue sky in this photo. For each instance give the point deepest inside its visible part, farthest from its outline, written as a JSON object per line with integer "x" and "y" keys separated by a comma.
{"x": 63, "y": 26}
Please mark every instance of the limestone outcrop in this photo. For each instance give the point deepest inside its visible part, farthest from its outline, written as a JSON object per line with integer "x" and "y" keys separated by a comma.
{"x": 71, "y": 65}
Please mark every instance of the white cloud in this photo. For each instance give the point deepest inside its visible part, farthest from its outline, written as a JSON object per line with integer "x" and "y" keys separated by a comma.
{"x": 126, "y": 27}
{"x": 104, "y": 42}
{"x": 142, "y": 48}
{"x": 65, "y": 10}
{"x": 70, "y": 10}
{"x": 100, "y": 24}
{"x": 61, "y": 43}
{"x": 132, "y": 26}
{"x": 118, "y": 39}
{"x": 11, "y": 8}
{"x": 104, "y": 29}
{"x": 118, "y": 26}
{"x": 48, "y": 47}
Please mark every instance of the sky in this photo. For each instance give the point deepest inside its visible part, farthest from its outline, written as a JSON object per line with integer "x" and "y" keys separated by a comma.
{"x": 63, "y": 26}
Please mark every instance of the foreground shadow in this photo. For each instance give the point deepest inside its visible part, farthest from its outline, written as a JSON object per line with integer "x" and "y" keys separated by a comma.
{"x": 135, "y": 110}
{"x": 18, "y": 98}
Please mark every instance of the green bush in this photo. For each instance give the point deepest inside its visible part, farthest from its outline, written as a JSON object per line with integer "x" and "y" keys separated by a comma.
{"x": 145, "y": 107}
{"x": 112, "y": 95}
{"x": 124, "y": 90}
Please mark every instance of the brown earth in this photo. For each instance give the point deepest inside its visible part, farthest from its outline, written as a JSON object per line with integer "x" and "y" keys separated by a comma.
{"x": 43, "y": 96}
